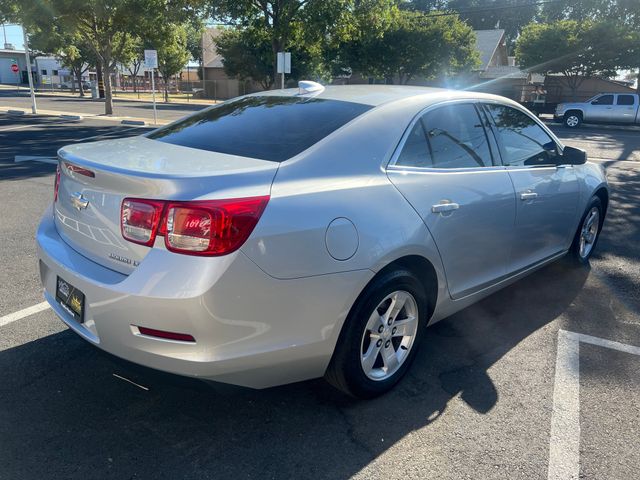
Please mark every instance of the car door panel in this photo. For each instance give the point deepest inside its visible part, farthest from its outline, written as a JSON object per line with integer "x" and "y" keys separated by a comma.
{"x": 474, "y": 238}
{"x": 625, "y": 109}
{"x": 600, "y": 109}
{"x": 546, "y": 203}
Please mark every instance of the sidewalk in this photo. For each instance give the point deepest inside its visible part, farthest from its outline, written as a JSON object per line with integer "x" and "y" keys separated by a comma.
{"x": 79, "y": 116}
{"x": 117, "y": 96}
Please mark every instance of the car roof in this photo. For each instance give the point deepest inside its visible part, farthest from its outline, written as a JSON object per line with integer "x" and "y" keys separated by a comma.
{"x": 375, "y": 95}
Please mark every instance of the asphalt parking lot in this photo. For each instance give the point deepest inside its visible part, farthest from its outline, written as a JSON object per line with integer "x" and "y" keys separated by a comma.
{"x": 540, "y": 380}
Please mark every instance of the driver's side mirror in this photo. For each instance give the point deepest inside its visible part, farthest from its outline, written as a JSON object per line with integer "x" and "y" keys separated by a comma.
{"x": 573, "y": 156}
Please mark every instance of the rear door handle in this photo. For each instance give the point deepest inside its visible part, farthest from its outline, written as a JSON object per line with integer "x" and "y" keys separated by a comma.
{"x": 528, "y": 195}
{"x": 444, "y": 206}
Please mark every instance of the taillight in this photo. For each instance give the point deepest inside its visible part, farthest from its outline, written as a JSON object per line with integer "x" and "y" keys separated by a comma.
{"x": 79, "y": 170}
{"x": 209, "y": 227}
{"x": 139, "y": 220}
{"x": 56, "y": 184}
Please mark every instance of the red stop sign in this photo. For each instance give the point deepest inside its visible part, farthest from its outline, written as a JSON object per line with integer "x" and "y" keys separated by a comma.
{"x": 15, "y": 68}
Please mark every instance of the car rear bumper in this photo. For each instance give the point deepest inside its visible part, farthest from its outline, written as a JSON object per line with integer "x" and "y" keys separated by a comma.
{"x": 250, "y": 328}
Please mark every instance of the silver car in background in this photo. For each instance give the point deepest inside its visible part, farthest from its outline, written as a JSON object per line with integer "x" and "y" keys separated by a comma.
{"x": 309, "y": 232}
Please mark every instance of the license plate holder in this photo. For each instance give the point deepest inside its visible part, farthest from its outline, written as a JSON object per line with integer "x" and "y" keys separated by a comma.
{"x": 71, "y": 299}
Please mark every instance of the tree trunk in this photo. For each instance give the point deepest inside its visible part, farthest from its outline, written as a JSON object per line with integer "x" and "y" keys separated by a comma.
{"x": 108, "y": 93}
{"x": 79, "y": 78}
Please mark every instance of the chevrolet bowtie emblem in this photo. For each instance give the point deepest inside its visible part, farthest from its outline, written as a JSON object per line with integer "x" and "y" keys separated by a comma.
{"x": 78, "y": 201}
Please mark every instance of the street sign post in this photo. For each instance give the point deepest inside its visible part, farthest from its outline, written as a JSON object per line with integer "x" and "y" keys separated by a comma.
{"x": 151, "y": 62}
{"x": 34, "y": 108}
{"x": 284, "y": 65}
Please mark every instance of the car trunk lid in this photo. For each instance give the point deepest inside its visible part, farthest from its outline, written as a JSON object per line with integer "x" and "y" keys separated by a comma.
{"x": 96, "y": 177}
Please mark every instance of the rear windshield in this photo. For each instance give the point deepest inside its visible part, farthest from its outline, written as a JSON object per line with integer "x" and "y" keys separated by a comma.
{"x": 268, "y": 128}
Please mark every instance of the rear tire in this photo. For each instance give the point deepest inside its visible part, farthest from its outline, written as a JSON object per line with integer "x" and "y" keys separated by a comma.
{"x": 379, "y": 339}
{"x": 572, "y": 119}
{"x": 586, "y": 237}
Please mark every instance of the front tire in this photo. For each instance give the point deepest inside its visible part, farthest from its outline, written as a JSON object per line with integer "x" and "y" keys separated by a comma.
{"x": 380, "y": 337}
{"x": 572, "y": 119}
{"x": 586, "y": 238}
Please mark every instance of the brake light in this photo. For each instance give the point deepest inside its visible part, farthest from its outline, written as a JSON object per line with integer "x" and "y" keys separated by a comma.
{"x": 56, "y": 184}
{"x": 139, "y": 220}
{"x": 208, "y": 227}
{"x": 79, "y": 170}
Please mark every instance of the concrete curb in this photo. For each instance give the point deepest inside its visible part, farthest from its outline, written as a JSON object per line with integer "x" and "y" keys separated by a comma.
{"x": 16, "y": 112}
{"x": 71, "y": 117}
{"x": 132, "y": 122}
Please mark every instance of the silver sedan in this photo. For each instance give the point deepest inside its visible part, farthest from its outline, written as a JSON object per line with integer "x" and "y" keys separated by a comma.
{"x": 309, "y": 232}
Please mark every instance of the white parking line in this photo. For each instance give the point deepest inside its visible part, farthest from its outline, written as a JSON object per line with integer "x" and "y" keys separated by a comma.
{"x": 12, "y": 317}
{"x": 564, "y": 444}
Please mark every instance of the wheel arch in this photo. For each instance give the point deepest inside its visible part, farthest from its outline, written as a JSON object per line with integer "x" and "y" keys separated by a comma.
{"x": 603, "y": 194}
{"x": 575, "y": 110}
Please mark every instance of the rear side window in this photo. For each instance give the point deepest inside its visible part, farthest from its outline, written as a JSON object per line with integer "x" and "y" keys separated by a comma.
{"x": 626, "y": 100}
{"x": 603, "y": 100}
{"x": 447, "y": 137}
{"x": 523, "y": 141}
{"x": 456, "y": 137}
{"x": 415, "y": 152}
{"x": 268, "y": 127}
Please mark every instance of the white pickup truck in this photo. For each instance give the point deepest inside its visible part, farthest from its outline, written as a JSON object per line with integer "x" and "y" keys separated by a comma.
{"x": 603, "y": 108}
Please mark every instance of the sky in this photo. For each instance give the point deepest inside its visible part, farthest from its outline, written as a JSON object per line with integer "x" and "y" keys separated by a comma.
{"x": 14, "y": 35}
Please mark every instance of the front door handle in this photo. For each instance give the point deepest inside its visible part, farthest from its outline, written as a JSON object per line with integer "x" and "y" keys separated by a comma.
{"x": 444, "y": 206}
{"x": 528, "y": 196}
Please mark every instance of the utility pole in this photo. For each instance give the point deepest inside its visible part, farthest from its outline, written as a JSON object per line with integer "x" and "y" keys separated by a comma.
{"x": 34, "y": 108}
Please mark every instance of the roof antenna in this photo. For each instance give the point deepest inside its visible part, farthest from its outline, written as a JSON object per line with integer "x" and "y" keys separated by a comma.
{"x": 307, "y": 86}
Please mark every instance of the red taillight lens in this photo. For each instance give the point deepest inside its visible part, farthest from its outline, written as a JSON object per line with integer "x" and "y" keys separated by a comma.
{"x": 79, "y": 170}
{"x": 210, "y": 227}
{"x": 56, "y": 184}
{"x": 215, "y": 227}
{"x": 139, "y": 220}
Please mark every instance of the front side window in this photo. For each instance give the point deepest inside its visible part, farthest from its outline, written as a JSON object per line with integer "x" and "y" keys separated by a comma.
{"x": 264, "y": 127}
{"x": 626, "y": 100}
{"x": 524, "y": 142}
{"x": 603, "y": 100}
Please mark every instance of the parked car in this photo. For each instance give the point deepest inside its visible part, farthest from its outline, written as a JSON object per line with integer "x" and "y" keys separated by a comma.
{"x": 603, "y": 108}
{"x": 70, "y": 84}
{"x": 293, "y": 234}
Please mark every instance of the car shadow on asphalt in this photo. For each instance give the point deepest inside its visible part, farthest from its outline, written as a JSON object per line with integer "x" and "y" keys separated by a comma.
{"x": 64, "y": 415}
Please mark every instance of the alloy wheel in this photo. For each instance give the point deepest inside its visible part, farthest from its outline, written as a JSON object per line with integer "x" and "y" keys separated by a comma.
{"x": 572, "y": 121}
{"x": 589, "y": 232}
{"x": 389, "y": 335}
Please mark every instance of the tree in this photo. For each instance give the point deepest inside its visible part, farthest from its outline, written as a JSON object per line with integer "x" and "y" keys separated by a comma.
{"x": 416, "y": 45}
{"x": 574, "y": 49}
{"x": 510, "y": 15}
{"x": 108, "y": 26}
{"x": 173, "y": 54}
{"x": 315, "y": 21}
{"x": 247, "y": 55}
{"x": 70, "y": 49}
{"x": 621, "y": 26}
